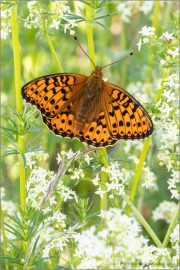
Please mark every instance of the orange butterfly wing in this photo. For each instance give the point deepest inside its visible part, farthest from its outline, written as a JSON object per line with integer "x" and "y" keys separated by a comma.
{"x": 117, "y": 115}
{"x": 52, "y": 93}
{"x": 127, "y": 118}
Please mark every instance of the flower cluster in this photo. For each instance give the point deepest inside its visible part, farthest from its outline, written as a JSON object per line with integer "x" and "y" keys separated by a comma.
{"x": 166, "y": 120}
{"x": 128, "y": 8}
{"x": 40, "y": 179}
{"x": 167, "y": 107}
{"x": 5, "y": 21}
{"x": 167, "y": 45}
{"x": 165, "y": 210}
{"x": 148, "y": 178}
{"x": 51, "y": 18}
{"x": 119, "y": 242}
{"x": 118, "y": 179}
{"x": 175, "y": 244}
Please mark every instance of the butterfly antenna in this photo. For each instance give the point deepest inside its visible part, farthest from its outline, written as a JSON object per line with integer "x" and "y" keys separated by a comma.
{"x": 118, "y": 60}
{"x": 84, "y": 51}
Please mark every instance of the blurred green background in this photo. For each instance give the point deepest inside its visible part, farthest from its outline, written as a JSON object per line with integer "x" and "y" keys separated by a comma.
{"x": 110, "y": 45}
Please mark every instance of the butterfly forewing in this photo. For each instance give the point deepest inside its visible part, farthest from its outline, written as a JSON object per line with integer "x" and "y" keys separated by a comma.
{"x": 52, "y": 93}
{"x": 113, "y": 114}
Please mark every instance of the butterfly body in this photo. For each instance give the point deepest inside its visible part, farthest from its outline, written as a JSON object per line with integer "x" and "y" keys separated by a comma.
{"x": 96, "y": 112}
{"x": 89, "y": 102}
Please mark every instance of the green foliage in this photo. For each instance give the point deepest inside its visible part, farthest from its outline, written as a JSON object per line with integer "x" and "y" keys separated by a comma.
{"x": 62, "y": 204}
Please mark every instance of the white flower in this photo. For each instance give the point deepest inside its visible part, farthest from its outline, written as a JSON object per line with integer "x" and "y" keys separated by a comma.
{"x": 148, "y": 178}
{"x": 5, "y": 14}
{"x": 70, "y": 154}
{"x": 174, "y": 236}
{"x": 87, "y": 158}
{"x": 173, "y": 52}
{"x": 166, "y": 211}
{"x": 145, "y": 40}
{"x": 77, "y": 174}
{"x": 100, "y": 192}
{"x": 169, "y": 95}
{"x": 3, "y": 34}
{"x": 31, "y": 3}
{"x": 72, "y": 32}
{"x": 59, "y": 158}
{"x": 167, "y": 36}
{"x": 65, "y": 192}
{"x": 165, "y": 109}
{"x": 121, "y": 239}
{"x": 168, "y": 58}
{"x": 162, "y": 62}
{"x": 95, "y": 180}
{"x": 175, "y": 194}
{"x": 147, "y": 31}
{"x": 55, "y": 24}
{"x": 46, "y": 210}
{"x": 52, "y": 200}
{"x": 126, "y": 11}
{"x": 146, "y": 6}
{"x": 58, "y": 216}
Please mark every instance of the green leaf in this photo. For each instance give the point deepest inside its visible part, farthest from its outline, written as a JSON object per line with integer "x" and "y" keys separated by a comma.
{"x": 84, "y": 2}
{"x": 35, "y": 245}
{"x": 104, "y": 3}
{"x": 104, "y": 16}
{"x": 102, "y": 25}
{"x": 74, "y": 16}
{"x": 14, "y": 232}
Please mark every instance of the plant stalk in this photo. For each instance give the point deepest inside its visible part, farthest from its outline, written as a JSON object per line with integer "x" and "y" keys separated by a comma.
{"x": 17, "y": 79}
{"x": 101, "y": 151}
{"x": 171, "y": 227}
{"x": 145, "y": 147}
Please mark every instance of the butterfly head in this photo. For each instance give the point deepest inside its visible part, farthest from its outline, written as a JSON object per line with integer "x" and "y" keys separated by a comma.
{"x": 97, "y": 71}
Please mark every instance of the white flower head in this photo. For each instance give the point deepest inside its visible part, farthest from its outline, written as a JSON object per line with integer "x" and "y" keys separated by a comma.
{"x": 101, "y": 192}
{"x": 87, "y": 158}
{"x": 77, "y": 174}
{"x": 96, "y": 180}
{"x": 167, "y": 36}
{"x": 166, "y": 211}
{"x": 147, "y": 31}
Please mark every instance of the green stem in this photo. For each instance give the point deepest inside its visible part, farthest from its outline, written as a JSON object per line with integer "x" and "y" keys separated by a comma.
{"x": 156, "y": 14}
{"x": 50, "y": 43}
{"x": 104, "y": 178}
{"x": 53, "y": 51}
{"x": 89, "y": 29}
{"x": 123, "y": 47}
{"x": 168, "y": 11}
{"x": 138, "y": 171}
{"x": 4, "y": 244}
{"x": 101, "y": 151}
{"x": 171, "y": 227}
{"x": 160, "y": 90}
{"x": 143, "y": 222}
{"x": 145, "y": 148}
{"x": 17, "y": 78}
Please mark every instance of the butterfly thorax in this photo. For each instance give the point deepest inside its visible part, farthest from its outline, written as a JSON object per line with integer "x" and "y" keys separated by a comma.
{"x": 89, "y": 102}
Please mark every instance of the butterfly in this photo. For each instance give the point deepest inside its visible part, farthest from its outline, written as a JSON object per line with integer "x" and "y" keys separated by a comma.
{"x": 96, "y": 112}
